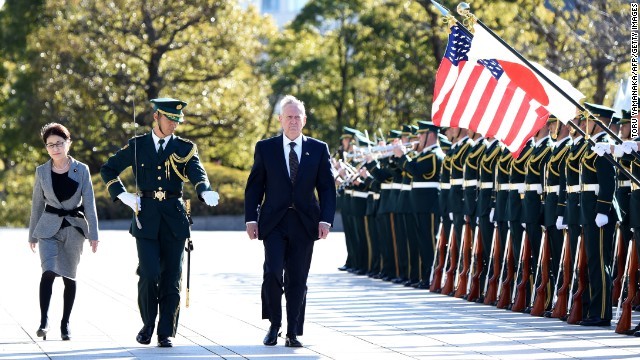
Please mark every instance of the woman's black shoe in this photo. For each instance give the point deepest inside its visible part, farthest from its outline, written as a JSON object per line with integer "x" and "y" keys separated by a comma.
{"x": 42, "y": 332}
{"x": 64, "y": 331}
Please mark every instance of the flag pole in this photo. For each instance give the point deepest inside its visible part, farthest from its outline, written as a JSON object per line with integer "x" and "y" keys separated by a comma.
{"x": 463, "y": 9}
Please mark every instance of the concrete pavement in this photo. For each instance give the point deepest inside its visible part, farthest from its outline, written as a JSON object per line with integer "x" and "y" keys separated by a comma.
{"x": 348, "y": 317}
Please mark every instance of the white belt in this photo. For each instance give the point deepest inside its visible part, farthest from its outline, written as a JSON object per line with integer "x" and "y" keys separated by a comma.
{"x": 445, "y": 186}
{"x": 573, "y": 188}
{"x": 470, "y": 183}
{"x": 360, "y": 194}
{"x": 406, "y": 187}
{"x": 533, "y": 187}
{"x": 553, "y": 189}
{"x": 376, "y": 196}
{"x": 456, "y": 182}
{"x": 624, "y": 183}
{"x": 348, "y": 192}
{"x": 425, "y": 185}
{"x": 386, "y": 186}
{"x": 486, "y": 185}
{"x": 396, "y": 186}
{"x": 590, "y": 187}
{"x": 504, "y": 187}
{"x": 518, "y": 186}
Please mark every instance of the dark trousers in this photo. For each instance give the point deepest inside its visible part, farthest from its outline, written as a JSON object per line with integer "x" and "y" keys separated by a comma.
{"x": 428, "y": 224}
{"x": 387, "y": 244}
{"x": 486, "y": 227}
{"x": 374, "y": 244}
{"x": 556, "y": 240}
{"x": 413, "y": 246}
{"x": 287, "y": 257}
{"x": 598, "y": 245}
{"x": 402, "y": 251}
{"x": 160, "y": 271}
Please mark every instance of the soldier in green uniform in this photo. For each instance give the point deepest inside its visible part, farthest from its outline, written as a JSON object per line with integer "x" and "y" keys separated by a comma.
{"x": 598, "y": 217}
{"x": 358, "y": 210}
{"x": 555, "y": 185}
{"x": 382, "y": 172}
{"x": 485, "y": 204}
{"x": 532, "y": 204}
{"x": 424, "y": 171}
{"x": 161, "y": 163}
{"x": 346, "y": 147}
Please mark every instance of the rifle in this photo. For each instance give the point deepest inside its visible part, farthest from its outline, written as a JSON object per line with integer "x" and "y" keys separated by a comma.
{"x": 617, "y": 265}
{"x": 465, "y": 250}
{"x": 539, "y": 299}
{"x": 561, "y": 296}
{"x": 520, "y": 291}
{"x": 473, "y": 290}
{"x": 452, "y": 258}
{"x": 491, "y": 284}
{"x": 439, "y": 258}
{"x": 504, "y": 290}
{"x": 579, "y": 276}
{"x": 631, "y": 269}
{"x": 188, "y": 248}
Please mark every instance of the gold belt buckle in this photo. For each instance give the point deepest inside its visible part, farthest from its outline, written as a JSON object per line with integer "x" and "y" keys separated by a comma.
{"x": 159, "y": 195}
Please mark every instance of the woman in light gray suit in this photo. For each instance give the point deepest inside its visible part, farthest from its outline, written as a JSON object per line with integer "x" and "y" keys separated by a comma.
{"x": 63, "y": 215}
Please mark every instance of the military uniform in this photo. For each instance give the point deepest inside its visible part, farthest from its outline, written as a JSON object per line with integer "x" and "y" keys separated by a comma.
{"x": 486, "y": 201}
{"x": 443, "y": 210}
{"x": 424, "y": 170}
{"x": 164, "y": 223}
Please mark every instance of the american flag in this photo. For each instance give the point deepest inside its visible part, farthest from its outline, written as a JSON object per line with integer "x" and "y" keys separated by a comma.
{"x": 478, "y": 95}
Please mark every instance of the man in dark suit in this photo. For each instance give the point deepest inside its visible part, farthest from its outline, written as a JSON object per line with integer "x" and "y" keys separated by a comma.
{"x": 161, "y": 163}
{"x": 282, "y": 210}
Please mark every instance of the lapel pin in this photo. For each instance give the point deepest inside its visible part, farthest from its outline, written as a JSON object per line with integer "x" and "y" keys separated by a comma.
{"x": 75, "y": 170}
{"x": 306, "y": 153}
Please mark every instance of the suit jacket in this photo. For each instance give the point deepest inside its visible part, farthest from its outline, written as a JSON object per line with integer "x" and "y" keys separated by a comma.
{"x": 178, "y": 164}
{"x": 45, "y": 225}
{"x": 269, "y": 192}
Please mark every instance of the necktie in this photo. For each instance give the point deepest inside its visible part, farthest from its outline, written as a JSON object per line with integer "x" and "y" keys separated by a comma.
{"x": 293, "y": 163}
{"x": 160, "y": 148}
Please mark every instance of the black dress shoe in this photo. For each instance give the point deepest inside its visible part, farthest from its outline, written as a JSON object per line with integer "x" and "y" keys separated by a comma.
{"x": 271, "y": 338}
{"x": 343, "y": 268}
{"x": 548, "y": 313}
{"x": 164, "y": 341}
{"x": 292, "y": 341}
{"x": 42, "y": 332}
{"x": 595, "y": 322}
{"x": 527, "y": 310}
{"x": 144, "y": 335}
{"x": 422, "y": 285}
{"x": 633, "y": 331}
{"x": 480, "y": 300}
{"x": 65, "y": 333}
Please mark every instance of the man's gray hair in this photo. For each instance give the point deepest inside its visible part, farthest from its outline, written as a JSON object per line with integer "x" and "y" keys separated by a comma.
{"x": 291, "y": 100}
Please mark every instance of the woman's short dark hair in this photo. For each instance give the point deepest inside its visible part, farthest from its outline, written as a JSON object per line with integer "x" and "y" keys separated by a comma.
{"x": 54, "y": 129}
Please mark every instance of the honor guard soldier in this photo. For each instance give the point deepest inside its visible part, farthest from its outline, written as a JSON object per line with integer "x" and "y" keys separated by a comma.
{"x": 358, "y": 209}
{"x": 381, "y": 171}
{"x": 161, "y": 163}
{"x": 555, "y": 185}
{"x": 347, "y": 153}
{"x": 514, "y": 203}
{"x": 505, "y": 255}
{"x": 424, "y": 171}
{"x": 532, "y": 204}
{"x": 598, "y": 217}
{"x": 485, "y": 204}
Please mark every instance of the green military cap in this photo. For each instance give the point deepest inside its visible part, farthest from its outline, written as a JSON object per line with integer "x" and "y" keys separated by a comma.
{"x": 394, "y": 134}
{"x": 424, "y": 126}
{"x": 171, "y": 108}
{"x": 414, "y": 129}
{"x": 407, "y": 130}
{"x": 599, "y": 110}
{"x": 625, "y": 117}
{"x": 362, "y": 140}
{"x": 348, "y": 132}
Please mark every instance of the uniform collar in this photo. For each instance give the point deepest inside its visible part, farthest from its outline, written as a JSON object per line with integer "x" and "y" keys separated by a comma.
{"x": 541, "y": 141}
{"x": 430, "y": 147}
{"x": 561, "y": 141}
{"x": 156, "y": 139}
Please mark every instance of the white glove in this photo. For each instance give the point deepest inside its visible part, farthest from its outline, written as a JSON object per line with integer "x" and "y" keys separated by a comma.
{"x": 602, "y": 220}
{"x": 559, "y": 223}
{"x": 618, "y": 151}
{"x": 131, "y": 200}
{"x": 210, "y": 198}
{"x": 524, "y": 225}
{"x": 629, "y": 146}
{"x": 601, "y": 148}
{"x": 491, "y": 213}
{"x": 451, "y": 216}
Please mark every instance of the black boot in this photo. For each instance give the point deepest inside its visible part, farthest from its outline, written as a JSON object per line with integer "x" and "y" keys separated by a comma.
{"x": 64, "y": 330}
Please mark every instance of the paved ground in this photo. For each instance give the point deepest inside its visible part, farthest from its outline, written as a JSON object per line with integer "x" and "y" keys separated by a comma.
{"x": 348, "y": 317}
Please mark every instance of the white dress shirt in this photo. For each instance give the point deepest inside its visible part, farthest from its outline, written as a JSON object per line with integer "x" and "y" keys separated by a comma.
{"x": 156, "y": 140}
{"x": 287, "y": 149}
